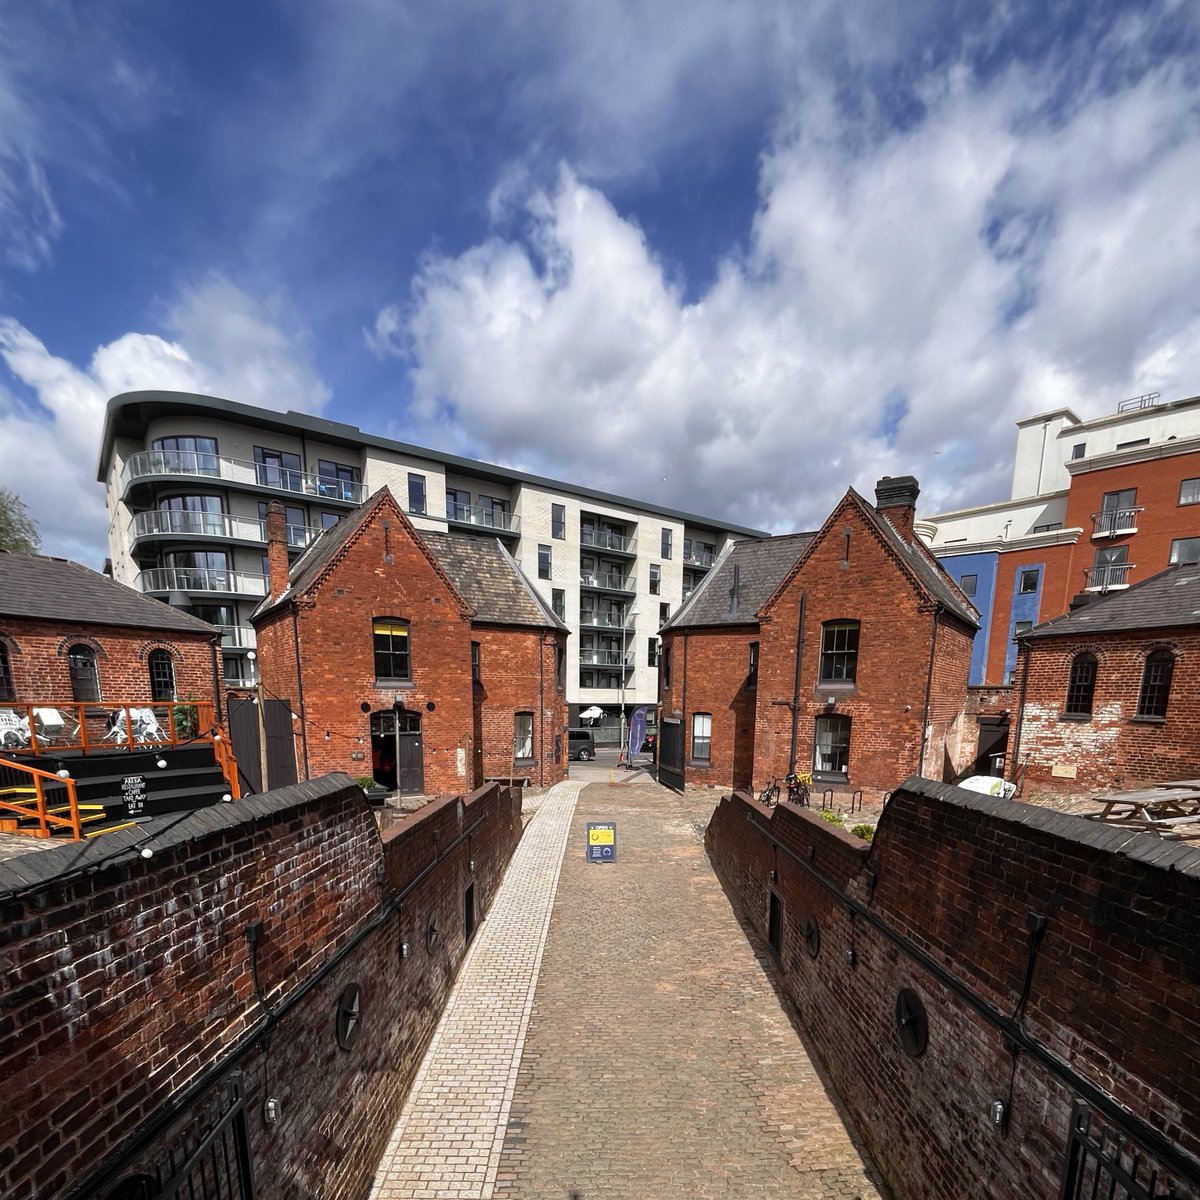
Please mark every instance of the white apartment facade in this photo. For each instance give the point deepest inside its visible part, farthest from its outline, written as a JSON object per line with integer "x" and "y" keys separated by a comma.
{"x": 188, "y": 478}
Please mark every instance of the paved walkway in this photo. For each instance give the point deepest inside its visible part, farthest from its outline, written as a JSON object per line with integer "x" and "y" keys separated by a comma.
{"x": 649, "y": 1058}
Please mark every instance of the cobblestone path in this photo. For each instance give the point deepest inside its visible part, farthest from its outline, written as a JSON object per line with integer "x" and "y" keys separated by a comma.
{"x": 657, "y": 1062}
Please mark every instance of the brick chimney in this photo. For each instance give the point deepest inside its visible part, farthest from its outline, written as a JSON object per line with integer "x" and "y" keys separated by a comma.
{"x": 896, "y": 499}
{"x": 277, "y": 549}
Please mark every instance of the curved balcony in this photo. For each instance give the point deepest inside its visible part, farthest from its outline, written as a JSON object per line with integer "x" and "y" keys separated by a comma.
{"x": 166, "y": 466}
{"x": 201, "y": 581}
{"x": 173, "y": 525}
{"x": 483, "y": 519}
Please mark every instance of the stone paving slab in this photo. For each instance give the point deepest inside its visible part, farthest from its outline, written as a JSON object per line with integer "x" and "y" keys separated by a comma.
{"x": 448, "y": 1139}
{"x": 651, "y": 1057}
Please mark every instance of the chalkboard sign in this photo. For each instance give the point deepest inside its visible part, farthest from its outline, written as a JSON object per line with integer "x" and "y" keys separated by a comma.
{"x": 133, "y": 791}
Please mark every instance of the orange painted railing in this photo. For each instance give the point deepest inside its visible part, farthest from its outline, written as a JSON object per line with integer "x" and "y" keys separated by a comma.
{"x": 46, "y": 728}
{"x": 23, "y": 798}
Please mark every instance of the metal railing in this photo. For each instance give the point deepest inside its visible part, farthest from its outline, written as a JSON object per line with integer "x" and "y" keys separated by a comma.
{"x": 1113, "y": 575}
{"x": 202, "y": 579}
{"x": 703, "y": 559}
{"x": 163, "y": 522}
{"x": 604, "y": 539}
{"x": 237, "y": 637}
{"x": 604, "y": 620}
{"x": 200, "y": 465}
{"x": 1148, "y": 400}
{"x": 603, "y": 658}
{"x": 29, "y": 794}
{"x": 479, "y": 514}
{"x": 1116, "y": 521}
{"x": 615, "y": 583}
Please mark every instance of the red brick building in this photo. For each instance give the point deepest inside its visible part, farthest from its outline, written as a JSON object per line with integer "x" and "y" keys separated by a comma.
{"x": 425, "y": 660}
{"x": 844, "y": 653}
{"x": 72, "y": 636}
{"x": 1107, "y": 695}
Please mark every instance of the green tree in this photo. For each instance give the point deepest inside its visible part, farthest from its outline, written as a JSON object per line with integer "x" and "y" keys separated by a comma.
{"x": 18, "y": 530}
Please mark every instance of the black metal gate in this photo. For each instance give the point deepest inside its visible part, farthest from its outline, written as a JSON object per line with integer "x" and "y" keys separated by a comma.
{"x": 245, "y": 733}
{"x": 1101, "y": 1161}
{"x": 670, "y": 752}
{"x": 210, "y": 1161}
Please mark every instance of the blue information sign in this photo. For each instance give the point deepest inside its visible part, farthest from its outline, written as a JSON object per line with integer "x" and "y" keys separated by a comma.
{"x": 601, "y": 841}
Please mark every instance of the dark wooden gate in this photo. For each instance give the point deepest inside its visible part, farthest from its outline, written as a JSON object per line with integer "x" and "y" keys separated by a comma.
{"x": 244, "y": 732}
{"x": 670, "y": 753}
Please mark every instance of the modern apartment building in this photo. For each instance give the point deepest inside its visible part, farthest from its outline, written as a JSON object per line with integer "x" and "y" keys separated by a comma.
{"x": 1095, "y": 506}
{"x": 189, "y": 477}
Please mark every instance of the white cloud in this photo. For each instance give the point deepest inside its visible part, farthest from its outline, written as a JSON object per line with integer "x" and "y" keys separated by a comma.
{"x": 905, "y": 295}
{"x": 226, "y": 343}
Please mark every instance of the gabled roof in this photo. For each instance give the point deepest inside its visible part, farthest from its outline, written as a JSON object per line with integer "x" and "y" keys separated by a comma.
{"x": 1166, "y": 600}
{"x": 914, "y": 559}
{"x": 480, "y": 573}
{"x": 56, "y": 589}
{"x": 325, "y": 550}
{"x": 490, "y": 580}
{"x": 761, "y": 565}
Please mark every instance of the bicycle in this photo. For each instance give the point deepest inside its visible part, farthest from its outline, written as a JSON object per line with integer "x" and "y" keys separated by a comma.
{"x": 797, "y": 790}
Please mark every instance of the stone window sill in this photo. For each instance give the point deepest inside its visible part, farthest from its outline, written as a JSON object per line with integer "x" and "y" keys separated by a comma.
{"x": 704, "y": 764}
{"x": 1148, "y": 720}
{"x": 1074, "y": 716}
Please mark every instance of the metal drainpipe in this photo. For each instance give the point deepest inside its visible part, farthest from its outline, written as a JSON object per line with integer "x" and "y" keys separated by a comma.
{"x": 796, "y": 683}
{"x": 299, "y": 688}
{"x": 1016, "y": 750}
{"x": 937, "y": 609}
{"x": 683, "y": 733}
{"x": 216, "y": 677}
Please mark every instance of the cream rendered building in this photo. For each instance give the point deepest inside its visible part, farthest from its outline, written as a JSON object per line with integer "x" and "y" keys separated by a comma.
{"x": 188, "y": 479}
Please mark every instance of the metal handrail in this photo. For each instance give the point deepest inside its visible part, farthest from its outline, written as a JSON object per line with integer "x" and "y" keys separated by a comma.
{"x": 202, "y": 465}
{"x": 202, "y": 579}
{"x": 37, "y": 806}
{"x": 478, "y": 514}
{"x": 1117, "y": 520}
{"x": 602, "y": 539}
{"x": 617, "y": 583}
{"x": 1112, "y": 575}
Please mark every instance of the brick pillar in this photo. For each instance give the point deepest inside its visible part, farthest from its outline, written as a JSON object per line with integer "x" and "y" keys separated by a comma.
{"x": 277, "y": 554}
{"x": 896, "y": 499}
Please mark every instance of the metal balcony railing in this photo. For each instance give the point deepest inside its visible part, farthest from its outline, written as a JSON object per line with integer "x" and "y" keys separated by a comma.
{"x": 172, "y": 523}
{"x": 616, "y": 583}
{"x": 1115, "y": 575}
{"x": 195, "y": 464}
{"x": 194, "y": 580}
{"x": 1116, "y": 521}
{"x": 237, "y": 637}
{"x": 602, "y": 658}
{"x": 701, "y": 559}
{"x": 479, "y": 514}
{"x": 601, "y": 620}
{"x": 603, "y": 539}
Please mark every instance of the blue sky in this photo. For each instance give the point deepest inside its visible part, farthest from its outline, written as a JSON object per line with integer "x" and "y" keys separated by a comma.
{"x": 727, "y": 257}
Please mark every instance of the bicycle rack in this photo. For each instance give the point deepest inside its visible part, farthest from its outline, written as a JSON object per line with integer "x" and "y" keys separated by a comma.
{"x": 827, "y": 799}
{"x": 856, "y": 799}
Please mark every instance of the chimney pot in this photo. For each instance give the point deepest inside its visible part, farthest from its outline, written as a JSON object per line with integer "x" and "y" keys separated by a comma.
{"x": 896, "y": 499}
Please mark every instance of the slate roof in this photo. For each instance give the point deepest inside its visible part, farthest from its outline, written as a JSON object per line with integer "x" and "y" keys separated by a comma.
{"x": 1170, "y": 598}
{"x": 933, "y": 578}
{"x": 56, "y": 589}
{"x": 490, "y": 580}
{"x": 482, "y": 570}
{"x": 761, "y": 565}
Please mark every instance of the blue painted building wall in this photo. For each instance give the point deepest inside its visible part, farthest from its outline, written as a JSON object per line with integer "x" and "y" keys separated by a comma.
{"x": 984, "y": 567}
{"x": 1025, "y": 607}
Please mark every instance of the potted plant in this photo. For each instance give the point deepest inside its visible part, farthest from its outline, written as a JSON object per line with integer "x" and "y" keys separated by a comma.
{"x": 375, "y": 792}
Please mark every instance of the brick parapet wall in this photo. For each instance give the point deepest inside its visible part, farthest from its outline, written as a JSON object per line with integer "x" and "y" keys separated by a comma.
{"x": 127, "y": 984}
{"x": 1115, "y": 990}
{"x": 37, "y": 655}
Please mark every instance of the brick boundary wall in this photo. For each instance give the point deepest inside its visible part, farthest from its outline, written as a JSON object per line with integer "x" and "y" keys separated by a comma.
{"x": 129, "y": 997}
{"x": 939, "y": 902}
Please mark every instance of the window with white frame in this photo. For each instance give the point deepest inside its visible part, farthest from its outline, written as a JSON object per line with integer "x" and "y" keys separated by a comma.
{"x": 831, "y": 747}
{"x": 701, "y": 737}
{"x": 523, "y": 737}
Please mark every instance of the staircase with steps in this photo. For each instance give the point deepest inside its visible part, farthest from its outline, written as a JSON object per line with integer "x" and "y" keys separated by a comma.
{"x": 191, "y": 779}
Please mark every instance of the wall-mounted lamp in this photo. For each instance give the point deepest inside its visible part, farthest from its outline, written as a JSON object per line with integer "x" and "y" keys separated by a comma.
{"x": 830, "y": 701}
{"x": 998, "y": 1113}
{"x": 271, "y": 1110}
{"x": 471, "y": 865}
{"x": 225, "y": 799}
{"x": 849, "y": 955}
{"x": 403, "y": 950}
{"x": 161, "y": 763}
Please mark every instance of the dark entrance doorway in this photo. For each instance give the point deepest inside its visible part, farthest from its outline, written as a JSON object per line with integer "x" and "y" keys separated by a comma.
{"x": 670, "y": 753}
{"x": 396, "y": 755}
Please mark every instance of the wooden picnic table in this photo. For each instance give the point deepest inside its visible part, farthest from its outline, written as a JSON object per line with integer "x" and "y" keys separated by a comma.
{"x": 1167, "y": 808}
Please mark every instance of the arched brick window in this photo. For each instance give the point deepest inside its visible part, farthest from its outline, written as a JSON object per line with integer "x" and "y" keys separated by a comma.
{"x": 85, "y": 675}
{"x": 1156, "y": 684}
{"x": 1081, "y": 686}
{"x": 162, "y": 675}
{"x": 8, "y": 690}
